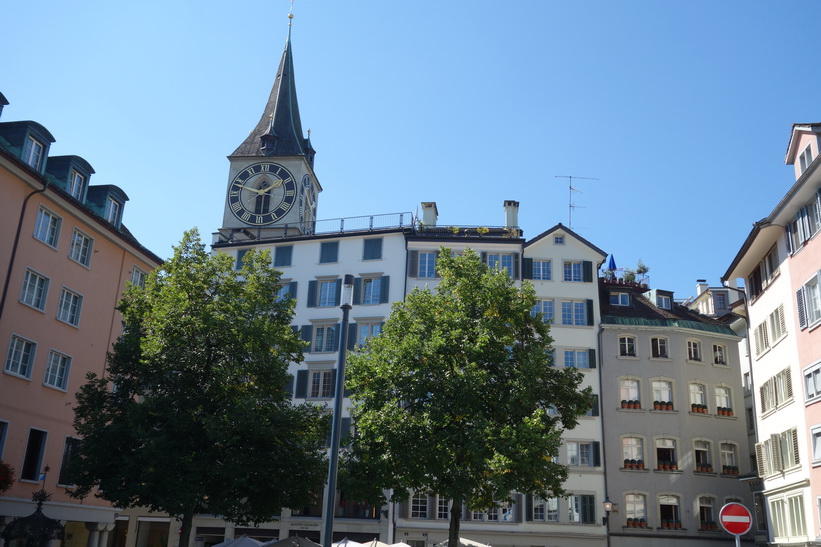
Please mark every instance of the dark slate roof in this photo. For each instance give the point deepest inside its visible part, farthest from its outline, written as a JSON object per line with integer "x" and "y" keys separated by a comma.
{"x": 280, "y": 118}
{"x": 643, "y": 312}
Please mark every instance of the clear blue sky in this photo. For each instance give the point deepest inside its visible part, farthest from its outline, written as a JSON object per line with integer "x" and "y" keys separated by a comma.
{"x": 682, "y": 111}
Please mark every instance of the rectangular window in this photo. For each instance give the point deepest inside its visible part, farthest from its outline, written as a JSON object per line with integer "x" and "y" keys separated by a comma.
{"x": 702, "y": 453}
{"x": 372, "y": 249}
{"x": 812, "y": 381}
{"x": 778, "y": 327}
{"x": 20, "y": 357}
{"x": 573, "y": 271}
{"x": 582, "y": 509}
{"x": 627, "y": 346}
{"x": 558, "y": 240}
{"x": 724, "y": 398}
{"x": 367, "y": 330}
{"x": 4, "y": 427}
{"x": 80, "y": 250}
{"x": 76, "y": 184}
{"x": 501, "y": 261}
{"x": 705, "y": 512}
{"x": 663, "y": 302}
{"x": 35, "y": 447}
{"x": 138, "y": 277}
{"x": 693, "y": 350}
{"x": 427, "y": 264}
{"x": 619, "y": 299}
{"x": 35, "y": 288}
{"x": 577, "y": 358}
{"x": 719, "y": 354}
{"x": 583, "y": 453}
{"x": 776, "y": 391}
{"x": 33, "y": 153}
{"x": 805, "y": 159}
{"x": 542, "y": 270}
{"x": 698, "y": 394}
{"x": 68, "y": 309}
{"x": 327, "y": 293}
{"x": 47, "y": 227}
{"x": 112, "y": 211}
{"x": 629, "y": 390}
{"x": 329, "y": 252}
{"x": 371, "y": 290}
{"x": 69, "y": 452}
{"x": 809, "y": 302}
{"x": 545, "y": 307}
{"x": 778, "y": 453}
{"x": 321, "y": 384}
{"x": 658, "y": 347}
{"x": 729, "y": 458}
{"x": 443, "y": 510}
{"x": 761, "y": 276}
{"x": 57, "y": 369}
{"x": 325, "y": 338}
{"x": 574, "y": 312}
{"x": 283, "y": 255}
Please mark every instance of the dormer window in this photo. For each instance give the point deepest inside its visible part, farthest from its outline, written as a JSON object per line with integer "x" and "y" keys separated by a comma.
{"x": 112, "y": 211}
{"x": 805, "y": 159}
{"x": 619, "y": 299}
{"x": 76, "y": 184}
{"x": 33, "y": 153}
{"x": 663, "y": 302}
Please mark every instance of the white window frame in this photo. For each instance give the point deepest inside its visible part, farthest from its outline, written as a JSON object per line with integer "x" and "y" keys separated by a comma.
{"x": 502, "y": 261}
{"x": 581, "y": 453}
{"x": 664, "y": 301}
{"x": 629, "y": 389}
{"x": 419, "y": 506}
{"x": 546, "y": 307}
{"x": 619, "y": 299}
{"x": 574, "y": 313}
{"x": 694, "y": 354}
{"x": 138, "y": 277}
{"x": 321, "y": 384}
{"x": 659, "y": 385}
{"x": 572, "y": 271}
{"x": 720, "y": 355}
{"x": 69, "y": 307}
{"x": 76, "y": 183}
{"x": 20, "y": 357}
{"x": 366, "y": 330}
{"x": 576, "y": 358}
{"x": 659, "y": 347}
{"x": 809, "y": 302}
{"x": 326, "y": 293}
{"x": 724, "y": 395}
{"x": 632, "y": 448}
{"x": 427, "y": 264}
{"x": 47, "y": 227}
{"x": 33, "y": 152}
{"x": 626, "y": 342}
{"x": 34, "y": 291}
{"x": 805, "y": 158}
{"x": 812, "y": 381}
{"x": 58, "y": 367}
{"x": 112, "y": 210}
{"x": 542, "y": 270}
{"x": 371, "y": 290}
{"x": 81, "y": 248}
{"x": 326, "y": 338}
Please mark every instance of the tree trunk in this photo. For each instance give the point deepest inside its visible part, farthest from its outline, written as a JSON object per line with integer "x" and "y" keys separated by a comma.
{"x": 185, "y": 531}
{"x": 455, "y": 519}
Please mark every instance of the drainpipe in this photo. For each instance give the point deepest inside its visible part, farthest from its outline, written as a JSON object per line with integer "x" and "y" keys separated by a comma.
{"x": 14, "y": 247}
{"x": 601, "y": 417}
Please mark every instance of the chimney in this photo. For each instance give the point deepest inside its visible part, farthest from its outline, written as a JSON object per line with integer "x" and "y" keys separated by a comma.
{"x": 429, "y": 213}
{"x": 511, "y": 213}
{"x": 701, "y": 286}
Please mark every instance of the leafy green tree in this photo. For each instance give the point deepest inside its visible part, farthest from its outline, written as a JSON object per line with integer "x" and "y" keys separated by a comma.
{"x": 194, "y": 413}
{"x": 455, "y": 396}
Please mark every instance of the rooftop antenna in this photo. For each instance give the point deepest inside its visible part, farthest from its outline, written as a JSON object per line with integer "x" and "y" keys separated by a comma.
{"x": 571, "y": 189}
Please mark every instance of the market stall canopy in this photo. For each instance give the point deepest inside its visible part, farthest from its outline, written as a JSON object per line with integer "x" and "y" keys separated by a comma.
{"x": 243, "y": 541}
{"x": 463, "y": 542}
{"x": 293, "y": 541}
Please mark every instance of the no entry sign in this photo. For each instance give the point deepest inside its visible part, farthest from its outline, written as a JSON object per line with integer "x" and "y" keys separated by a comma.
{"x": 735, "y": 519}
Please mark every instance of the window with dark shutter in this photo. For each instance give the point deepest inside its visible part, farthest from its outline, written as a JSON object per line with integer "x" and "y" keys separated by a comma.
{"x": 329, "y": 252}
{"x": 372, "y": 249}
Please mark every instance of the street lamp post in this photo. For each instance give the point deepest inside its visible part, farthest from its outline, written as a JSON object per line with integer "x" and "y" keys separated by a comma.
{"x": 336, "y": 425}
{"x": 608, "y": 506}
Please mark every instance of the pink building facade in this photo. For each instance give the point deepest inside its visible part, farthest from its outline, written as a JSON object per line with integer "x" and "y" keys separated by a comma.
{"x": 66, "y": 259}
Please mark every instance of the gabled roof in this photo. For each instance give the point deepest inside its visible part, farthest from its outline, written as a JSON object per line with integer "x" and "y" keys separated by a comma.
{"x": 569, "y": 232}
{"x": 797, "y": 129}
{"x": 280, "y": 121}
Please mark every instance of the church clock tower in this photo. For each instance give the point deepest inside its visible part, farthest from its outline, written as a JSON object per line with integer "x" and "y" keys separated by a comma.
{"x": 272, "y": 188}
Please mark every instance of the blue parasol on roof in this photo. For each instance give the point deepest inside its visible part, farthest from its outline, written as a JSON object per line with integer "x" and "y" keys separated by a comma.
{"x": 612, "y": 264}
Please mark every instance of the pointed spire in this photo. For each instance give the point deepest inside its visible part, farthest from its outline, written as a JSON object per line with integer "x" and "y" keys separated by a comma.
{"x": 279, "y": 131}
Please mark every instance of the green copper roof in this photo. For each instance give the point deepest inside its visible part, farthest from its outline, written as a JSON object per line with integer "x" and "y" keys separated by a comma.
{"x": 678, "y": 323}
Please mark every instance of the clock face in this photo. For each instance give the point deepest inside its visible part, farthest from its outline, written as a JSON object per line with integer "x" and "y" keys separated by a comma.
{"x": 262, "y": 193}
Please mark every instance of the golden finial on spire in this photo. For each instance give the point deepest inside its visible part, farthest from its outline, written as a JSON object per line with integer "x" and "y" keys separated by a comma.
{"x": 291, "y": 13}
